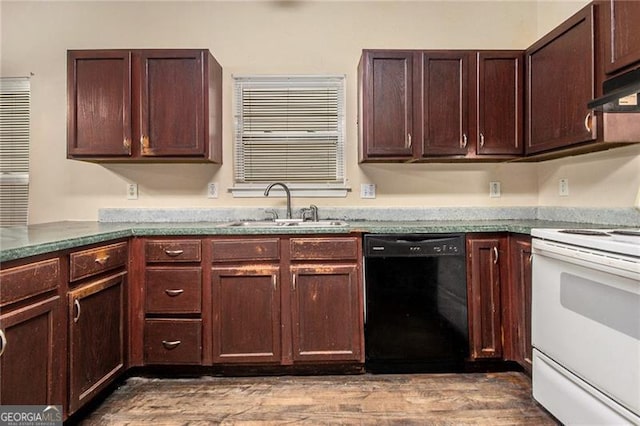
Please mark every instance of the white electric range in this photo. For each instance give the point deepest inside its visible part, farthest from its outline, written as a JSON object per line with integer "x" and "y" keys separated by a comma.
{"x": 586, "y": 324}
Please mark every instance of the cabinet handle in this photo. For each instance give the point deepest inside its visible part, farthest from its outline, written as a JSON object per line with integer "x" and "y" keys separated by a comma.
{"x": 587, "y": 122}
{"x": 3, "y": 342}
{"x": 171, "y": 344}
{"x": 173, "y": 253}
{"x": 174, "y": 293}
{"x": 102, "y": 260}
{"x": 481, "y": 140}
{"x": 126, "y": 143}
{"x": 76, "y": 303}
{"x": 293, "y": 278}
{"x": 274, "y": 282}
{"x": 495, "y": 252}
{"x": 463, "y": 143}
{"x": 407, "y": 142}
{"x": 531, "y": 258}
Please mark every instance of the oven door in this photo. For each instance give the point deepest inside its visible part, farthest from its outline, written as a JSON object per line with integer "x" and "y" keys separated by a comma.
{"x": 586, "y": 318}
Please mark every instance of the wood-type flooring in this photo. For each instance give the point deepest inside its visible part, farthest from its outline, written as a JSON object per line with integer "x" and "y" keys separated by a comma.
{"x": 414, "y": 399}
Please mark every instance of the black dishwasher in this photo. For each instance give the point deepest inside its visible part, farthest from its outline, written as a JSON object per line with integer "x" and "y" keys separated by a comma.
{"x": 416, "y": 303}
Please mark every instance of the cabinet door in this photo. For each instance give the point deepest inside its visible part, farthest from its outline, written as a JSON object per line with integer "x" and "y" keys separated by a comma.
{"x": 484, "y": 272}
{"x": 386, "y": 109}
{"x": 172, "y": 100}
{"x": 519, "y": 292}
{"x": 561, "y": 81}
{"x": 622, "y": 34}
{"x": 31, "y": 355}
{"x": 445, "y": 107}
{"x": 96, "y": 337}
{"x": 99, "y": 103}
{"x": 246, "y": 314}
{"x": 326, "y": 313}
{"x": 500, "y": 81}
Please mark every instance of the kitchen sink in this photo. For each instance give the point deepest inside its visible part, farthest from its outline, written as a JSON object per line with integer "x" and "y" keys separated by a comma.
{"x": 284, "y": 223}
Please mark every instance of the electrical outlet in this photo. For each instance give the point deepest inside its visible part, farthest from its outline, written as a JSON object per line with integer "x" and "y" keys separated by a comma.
{"x": 494, "y": 189}
{"x": 563, "y": 187}
{"x": 368, "y": 190}
{"x": 212, "y": 190}
{"x": 132, "y": 191}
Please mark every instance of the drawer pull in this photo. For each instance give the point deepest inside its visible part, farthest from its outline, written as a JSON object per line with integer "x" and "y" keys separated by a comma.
{"x": 171, "y": 344}
{"x": 174, "y": 292}
{"x": 3, "y": 342}
{"x": 102, "y": 260}
{"x": 173, "y": 253}
{"x": 76, "y": 303}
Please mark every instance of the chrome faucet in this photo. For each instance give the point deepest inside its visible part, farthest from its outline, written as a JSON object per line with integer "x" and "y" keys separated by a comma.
{"x": 286, "y": 189}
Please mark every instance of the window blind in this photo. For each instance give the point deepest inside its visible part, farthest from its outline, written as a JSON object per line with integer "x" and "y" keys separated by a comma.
{"x": 15, "y": 113}
{"x": 289, "y": 129}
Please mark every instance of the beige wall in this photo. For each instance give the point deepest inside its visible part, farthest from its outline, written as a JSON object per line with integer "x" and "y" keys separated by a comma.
{"x": 286, "y": 36}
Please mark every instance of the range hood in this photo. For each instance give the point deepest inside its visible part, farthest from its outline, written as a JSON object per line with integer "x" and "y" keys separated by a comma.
{"x": 620, "y": 94}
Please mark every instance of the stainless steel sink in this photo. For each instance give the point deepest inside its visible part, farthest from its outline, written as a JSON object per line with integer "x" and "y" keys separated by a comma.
{"x": 284, "y": 223}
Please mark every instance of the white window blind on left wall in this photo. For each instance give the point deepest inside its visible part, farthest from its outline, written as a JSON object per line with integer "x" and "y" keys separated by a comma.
{"x": 15, "y": 114}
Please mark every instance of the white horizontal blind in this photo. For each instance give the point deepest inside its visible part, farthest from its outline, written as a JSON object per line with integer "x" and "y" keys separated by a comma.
{"x": 15, "y": 107}
{"x": 289, "y": 129}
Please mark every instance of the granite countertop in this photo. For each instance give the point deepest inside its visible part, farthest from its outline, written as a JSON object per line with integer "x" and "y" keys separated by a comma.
{"x": 22, "y": 242}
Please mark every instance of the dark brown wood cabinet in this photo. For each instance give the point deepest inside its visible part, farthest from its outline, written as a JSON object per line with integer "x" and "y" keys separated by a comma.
{"x": 440, "y": 105}
{"x": 144, "y": 105}
{"x": 246, "y": 291}
{"x": 386, "y": 109}
{"x": 96, "y": 336}
{"x": 516, "y": 302}
{"x": 621, "y": 34}
{"x": 326, "y": 300}
{"x": 96, "y": 317}
{"x": 561, "y": 80}
{"x": 487, "y": 268}
{"x": 173, "y": 326}
{"x": 32, "y": 333}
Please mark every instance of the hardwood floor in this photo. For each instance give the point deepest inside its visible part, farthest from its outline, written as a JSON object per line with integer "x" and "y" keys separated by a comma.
{"x": 434, "y": 399}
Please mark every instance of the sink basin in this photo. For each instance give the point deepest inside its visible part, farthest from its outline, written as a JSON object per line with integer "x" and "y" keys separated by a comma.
{"x": 284, "y": 223}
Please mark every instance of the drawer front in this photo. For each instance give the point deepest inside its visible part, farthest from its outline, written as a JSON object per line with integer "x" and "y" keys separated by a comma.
{"x": 335, "y": 248}
{"x": 246, "y": 249}
{"x": 170, "y": 290}
{"x": 90, "y": 262}
{"x": 173, "y": 251}
{"x": 172, "y": 341}
{"x": 25, "y": 281}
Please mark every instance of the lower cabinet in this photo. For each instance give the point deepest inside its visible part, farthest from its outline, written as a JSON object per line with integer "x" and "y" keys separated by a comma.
{"x": 96, "y": 337}
{"x": 326, "y": 314}
{"x": 173, "y": 341}
{"x": 487, "y": 267}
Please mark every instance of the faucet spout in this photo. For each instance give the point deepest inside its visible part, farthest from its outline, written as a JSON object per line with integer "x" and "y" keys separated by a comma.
{"x": 286, "y": 190}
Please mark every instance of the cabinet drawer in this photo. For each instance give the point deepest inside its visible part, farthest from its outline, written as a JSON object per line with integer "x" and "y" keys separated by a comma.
{"x": 246, "y": 249}
{"x": 22, "y": 282}
{"x": 171, "y": 290}
{"x": 172, "y": 341}
{"x": 90, "y": 262}
{"x": 173, "y": 251}
{"x": 336, "y": 248}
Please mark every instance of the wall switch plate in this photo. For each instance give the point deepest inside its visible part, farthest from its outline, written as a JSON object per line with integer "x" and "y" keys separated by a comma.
{"x": 132, "y": 191}
{"x": 368, "y": 190}
{"x": 563, "y": 187}
{"x": 494, "y": 189}
{"x": 212, "y": 190}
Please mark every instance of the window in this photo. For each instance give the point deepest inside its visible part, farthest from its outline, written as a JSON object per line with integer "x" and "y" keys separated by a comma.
{"x": 15, "y": 106}
{"x": 289, "y": 129}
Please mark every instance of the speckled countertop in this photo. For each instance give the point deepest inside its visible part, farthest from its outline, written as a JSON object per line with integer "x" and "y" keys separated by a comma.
{"x": 22, "y": 242}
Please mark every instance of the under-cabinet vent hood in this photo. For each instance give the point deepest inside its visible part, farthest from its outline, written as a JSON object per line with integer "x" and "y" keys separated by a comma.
{"x": 620, "y": 94}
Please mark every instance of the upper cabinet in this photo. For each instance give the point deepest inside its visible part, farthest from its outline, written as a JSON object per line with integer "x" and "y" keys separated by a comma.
{"x": 622, "y": 34}
{"x": 144, "y": 105}
{"x": 561, "y": 80}
{"x": 440, "y": 105}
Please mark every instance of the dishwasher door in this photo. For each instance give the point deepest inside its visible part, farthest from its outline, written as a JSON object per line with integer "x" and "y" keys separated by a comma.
{"x": 416, "y": 303}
